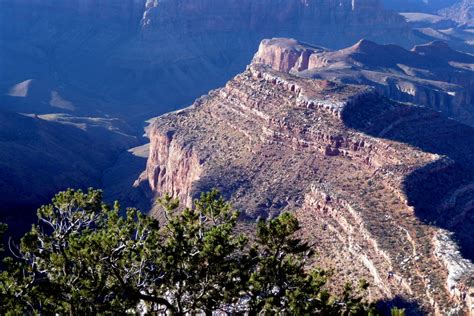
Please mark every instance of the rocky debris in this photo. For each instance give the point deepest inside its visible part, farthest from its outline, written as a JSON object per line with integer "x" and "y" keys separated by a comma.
{"x": 367, "y": 176}
{"x": 433, "y": 75}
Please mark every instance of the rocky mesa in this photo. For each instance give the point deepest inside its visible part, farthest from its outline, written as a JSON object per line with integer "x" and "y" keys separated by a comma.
{"x": 433, "y": 74}
{"x": 383, "y": 189}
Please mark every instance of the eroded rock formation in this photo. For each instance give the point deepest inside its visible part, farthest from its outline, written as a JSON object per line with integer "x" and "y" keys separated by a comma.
{"x": 373, "y": 181}
{"x": 157, "y": 51}
{"x": 433, "y": 74}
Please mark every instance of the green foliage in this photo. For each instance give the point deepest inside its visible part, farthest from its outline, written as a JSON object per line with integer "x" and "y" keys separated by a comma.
{"x": 200, "y": 254}
{"x": 83, "y": 257}
{"x": 3, "y": 229}
{"x": 397, "y": 311}
{"x": 280, "y": 284}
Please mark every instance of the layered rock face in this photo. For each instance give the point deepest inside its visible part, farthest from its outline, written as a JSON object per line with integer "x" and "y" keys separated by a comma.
{"x": 135, "y": 59}
{"x": 309, "y": 19}
{"x": 381, "y": 188}
{"x": 433, "y": 75}
{"x": 117, "y": 56}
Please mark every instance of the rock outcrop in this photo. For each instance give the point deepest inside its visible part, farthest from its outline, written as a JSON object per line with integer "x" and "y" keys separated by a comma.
{"x": 433, "y": 75}
{"x": 135, "y": 59}
{"x": 374, "y": 182}
{"x": 165, "y": 51}
{"x": 173, "y": 167}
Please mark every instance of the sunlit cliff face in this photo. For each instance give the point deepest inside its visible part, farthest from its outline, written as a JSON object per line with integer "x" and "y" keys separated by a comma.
{"x": 382, "y": 189}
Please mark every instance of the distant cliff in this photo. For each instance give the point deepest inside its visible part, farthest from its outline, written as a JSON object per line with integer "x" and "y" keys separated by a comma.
{"x": 154, "y": 56}
{"x": 433, "y": 75}
{"x": 430, "y": 6}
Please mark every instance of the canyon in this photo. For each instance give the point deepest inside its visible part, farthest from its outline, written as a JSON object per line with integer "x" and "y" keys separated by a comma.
{"x": 43, "y": 154}
{"x": 433, "y": 75}
{"x": 130, "y": 60}
{"x": 368, "y": 142}
{"x": 136, "y": 59}
{"x": 450, "y": 21}
{"x": 384, "y": 190}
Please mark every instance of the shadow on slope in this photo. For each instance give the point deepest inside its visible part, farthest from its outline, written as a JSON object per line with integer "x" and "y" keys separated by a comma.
{"x": 118, "y": 181}
{"x": 41, "y": 155}
{"x": 442, "y": 193}
{"x": 411, "y": 308}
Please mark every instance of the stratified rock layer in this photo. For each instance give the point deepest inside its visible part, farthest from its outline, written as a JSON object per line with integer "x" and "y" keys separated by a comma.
{"x": 433, "y": 75}
{"x": 377, "y": 185}
{"x": 150, "y": 57}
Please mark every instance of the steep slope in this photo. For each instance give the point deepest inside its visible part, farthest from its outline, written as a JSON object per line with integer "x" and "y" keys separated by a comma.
{"x": 40, "y": 155}
{"x": 382, "y": 188}
{"x": 426, "y": 20}
{"x": 433, "y": 75}
{"x": 135, "y": 59}
{"x": 116, "y": 57}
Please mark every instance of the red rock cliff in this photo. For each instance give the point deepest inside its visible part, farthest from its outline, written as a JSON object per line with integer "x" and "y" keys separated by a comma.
{"x": 369, "y": 178}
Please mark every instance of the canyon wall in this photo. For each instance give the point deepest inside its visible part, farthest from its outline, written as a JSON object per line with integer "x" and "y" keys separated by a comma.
{"x": 433, "y": 75}
{"x": 461, "y": 11}
{"x": 369, "y": 178}
{"x": 114, "y": 57}
{"x": 43, "y": 154}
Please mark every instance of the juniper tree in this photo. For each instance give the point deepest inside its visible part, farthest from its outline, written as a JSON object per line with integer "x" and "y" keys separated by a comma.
{"x": 83, "y": 257}
{"x": 201, "y": 254}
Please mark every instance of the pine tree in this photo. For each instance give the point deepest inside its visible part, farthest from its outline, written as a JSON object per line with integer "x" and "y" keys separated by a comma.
{"x": 83, "y": 257}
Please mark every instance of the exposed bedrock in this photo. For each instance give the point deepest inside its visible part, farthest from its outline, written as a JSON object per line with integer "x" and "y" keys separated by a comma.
{"x": 433, "y": 75}
{"x": 112, "y": 56}
{"x": 461, "y": 11}
{"x": 173, "y": 166}
{"x": 380, "y": 180}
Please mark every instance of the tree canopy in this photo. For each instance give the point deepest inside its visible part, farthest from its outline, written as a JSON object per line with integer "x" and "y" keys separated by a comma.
{"x": 84, "y": 257}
